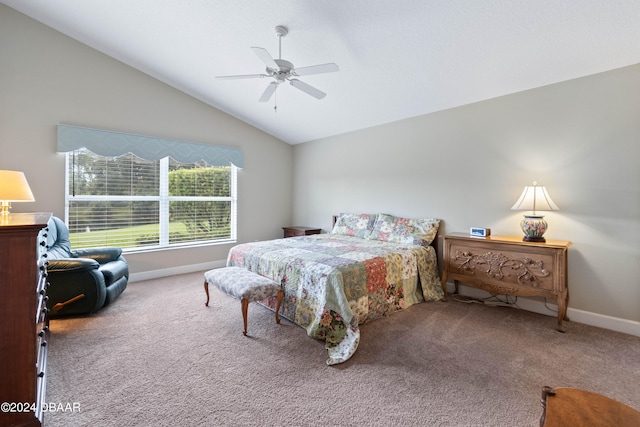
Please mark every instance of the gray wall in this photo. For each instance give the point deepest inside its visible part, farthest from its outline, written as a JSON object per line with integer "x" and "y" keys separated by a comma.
{"x": 468, "y": 165}
{"x": 47, "y": 78}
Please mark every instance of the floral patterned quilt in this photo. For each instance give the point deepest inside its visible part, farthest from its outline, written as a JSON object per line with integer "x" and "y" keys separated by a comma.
{"x": 333, "y": 283}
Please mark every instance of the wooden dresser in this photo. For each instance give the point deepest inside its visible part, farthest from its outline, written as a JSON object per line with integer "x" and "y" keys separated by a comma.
{"x": 23, "y": 319}
{"x": 505, "y": 265}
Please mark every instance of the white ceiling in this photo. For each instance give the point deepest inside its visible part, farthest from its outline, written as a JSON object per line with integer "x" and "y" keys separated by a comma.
{"x": 397, "y": 59}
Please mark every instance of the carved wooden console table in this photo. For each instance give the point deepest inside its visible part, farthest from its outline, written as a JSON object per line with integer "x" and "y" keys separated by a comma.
{"x": 505, "y": 265}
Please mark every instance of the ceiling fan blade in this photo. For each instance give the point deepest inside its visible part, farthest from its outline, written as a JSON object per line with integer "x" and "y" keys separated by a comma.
{"x": 242, "y": 76}
{"x": 266, "y": 95}
{"x": 316, "y": 69}
{"x": 318, "y": 94}
{"x": 265, "y": 57}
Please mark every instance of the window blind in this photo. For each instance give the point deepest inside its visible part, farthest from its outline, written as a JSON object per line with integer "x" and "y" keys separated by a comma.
{"x": 138, "y": 204}
{"x": 140, "y": 192}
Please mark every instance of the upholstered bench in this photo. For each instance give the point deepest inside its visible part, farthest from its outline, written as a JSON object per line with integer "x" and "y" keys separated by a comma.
{"x": 245, "y": 285}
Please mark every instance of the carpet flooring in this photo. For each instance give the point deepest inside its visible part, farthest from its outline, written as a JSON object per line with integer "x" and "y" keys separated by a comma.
{"x": 158, "y": 357}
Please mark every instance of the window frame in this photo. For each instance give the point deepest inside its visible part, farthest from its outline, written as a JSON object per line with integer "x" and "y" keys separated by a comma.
{"x": 163, "y": 200}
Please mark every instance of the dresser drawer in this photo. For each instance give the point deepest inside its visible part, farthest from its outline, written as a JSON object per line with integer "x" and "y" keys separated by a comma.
{"x": 289, "y": 232}
{"x": 300, "y": 231}
{"x": 503, "y": 266}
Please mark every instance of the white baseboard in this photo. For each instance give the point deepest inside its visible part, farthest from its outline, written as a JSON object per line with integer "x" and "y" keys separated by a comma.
{"x": 550, "y": 309}
{"x": 183, "y": 269}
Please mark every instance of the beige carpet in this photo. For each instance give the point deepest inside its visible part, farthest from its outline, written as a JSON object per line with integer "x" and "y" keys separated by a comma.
{"x": 159, "y": 357}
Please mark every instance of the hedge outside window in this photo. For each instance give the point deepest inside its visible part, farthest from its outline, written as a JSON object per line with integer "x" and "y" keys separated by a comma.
{"x": 138, "y": 204}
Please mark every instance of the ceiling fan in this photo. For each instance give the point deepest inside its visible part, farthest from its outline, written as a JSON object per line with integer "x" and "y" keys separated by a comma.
{"x": 281, "y": 70}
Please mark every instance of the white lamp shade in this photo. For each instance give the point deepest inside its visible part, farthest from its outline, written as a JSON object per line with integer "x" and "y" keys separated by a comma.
{"x": 535, "y": 198}
{"x": 14, "y": 187}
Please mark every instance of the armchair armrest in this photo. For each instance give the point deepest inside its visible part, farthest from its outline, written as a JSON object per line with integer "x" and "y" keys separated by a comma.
{"x": 71, "y": 265}
{"x": 101, "y": 255}
{"x": 76, "y": 286}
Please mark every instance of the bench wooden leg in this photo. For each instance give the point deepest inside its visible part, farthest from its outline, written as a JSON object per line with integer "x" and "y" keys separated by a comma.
{"x": 280, "y": 296}
{"x": 245, "y": 309}
{"x": 206, "y": 291}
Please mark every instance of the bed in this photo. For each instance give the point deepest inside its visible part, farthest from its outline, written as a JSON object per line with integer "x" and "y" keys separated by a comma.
{"x": 367, "y": 267}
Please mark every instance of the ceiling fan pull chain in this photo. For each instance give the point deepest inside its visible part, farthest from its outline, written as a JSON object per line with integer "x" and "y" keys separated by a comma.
{"x": 275, "y": 101}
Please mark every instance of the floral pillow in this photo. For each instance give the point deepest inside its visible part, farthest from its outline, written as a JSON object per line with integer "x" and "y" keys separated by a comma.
{"x": 419, "y": 231}
{"x": 358, "y": 225}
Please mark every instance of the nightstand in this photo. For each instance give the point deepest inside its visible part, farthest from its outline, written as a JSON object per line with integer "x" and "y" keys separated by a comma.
{"x": 505, "y": 265}
{"x": 300, "y": 231}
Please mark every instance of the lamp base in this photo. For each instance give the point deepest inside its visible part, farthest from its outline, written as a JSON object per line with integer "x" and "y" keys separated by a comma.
{"x": 533, "y": 227}
{"x": 5, "y": 205}
{"x": 534, "y": 239}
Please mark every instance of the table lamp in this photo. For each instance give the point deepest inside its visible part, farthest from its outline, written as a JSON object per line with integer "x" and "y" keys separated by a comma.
{"x": 534, "y": 198}
{"x": 13, "y": 188}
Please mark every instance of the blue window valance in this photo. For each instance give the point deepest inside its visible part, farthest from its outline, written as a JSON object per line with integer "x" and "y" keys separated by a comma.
{"x": 113, "y": 144}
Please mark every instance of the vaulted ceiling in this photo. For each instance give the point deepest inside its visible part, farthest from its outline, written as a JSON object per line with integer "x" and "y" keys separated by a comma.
{"x": 397, "y": 59}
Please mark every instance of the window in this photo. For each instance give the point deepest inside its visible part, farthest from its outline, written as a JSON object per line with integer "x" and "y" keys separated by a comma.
{"x": 133, "y": 203}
